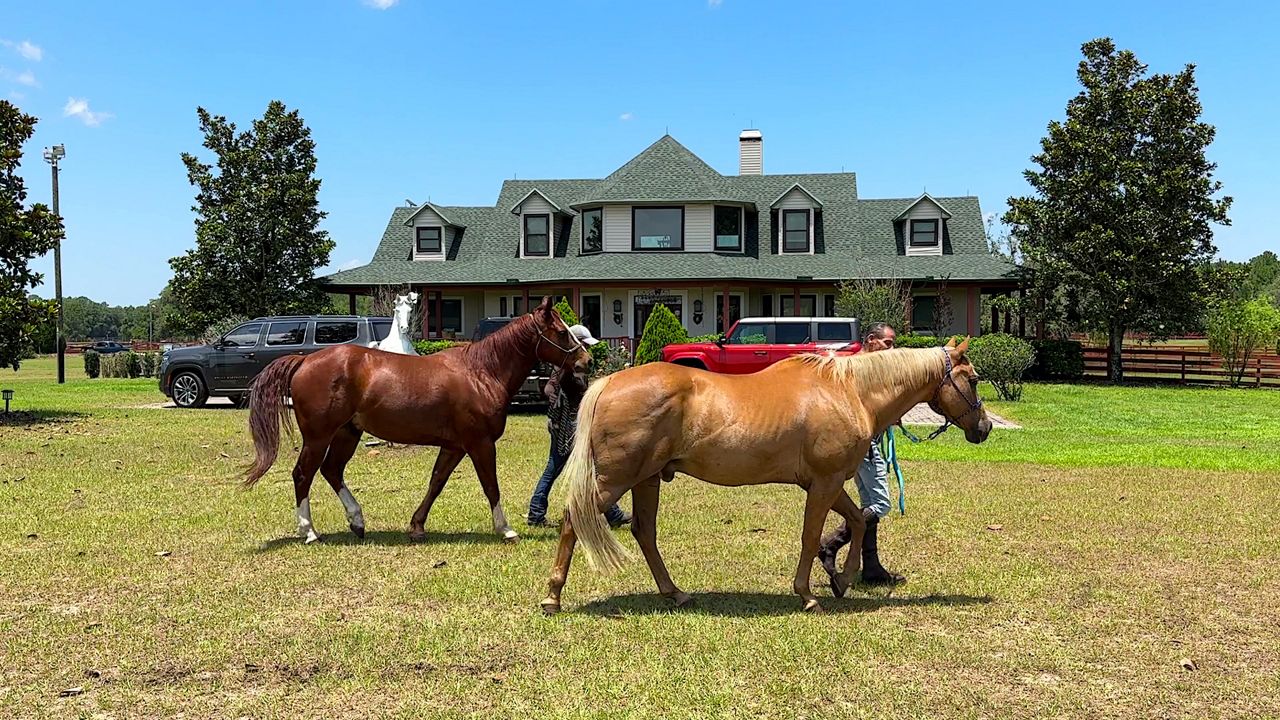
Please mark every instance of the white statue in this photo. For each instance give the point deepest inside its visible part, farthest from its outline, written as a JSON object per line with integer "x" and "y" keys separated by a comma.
{"x": 397, "y": 341}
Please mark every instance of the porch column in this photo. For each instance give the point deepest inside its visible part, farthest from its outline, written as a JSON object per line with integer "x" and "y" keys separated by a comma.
{"x": 795, "y": 301}
{"x": 440, "y": 314}
{"x": 909, "y": 319}
{"x": 724, "y": 310}
{"x": 974, "y": 303}
{"x": 1008, "y": 317}
{"x": 1022, "y": 313}
{"x": 524, "y": 293}
{"x": 995, "y": 315}
{"x": 426, "y": 312}
{"x": 1040, "y": 318}
{"x": 351, "y": 303}
{"x": 577, "y": 301}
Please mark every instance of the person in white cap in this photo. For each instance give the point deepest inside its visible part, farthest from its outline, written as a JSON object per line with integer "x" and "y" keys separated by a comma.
{"x": 562, "y": 421}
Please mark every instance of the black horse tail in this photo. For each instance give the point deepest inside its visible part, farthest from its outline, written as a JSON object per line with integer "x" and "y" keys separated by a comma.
{"x": 268, "y": 411}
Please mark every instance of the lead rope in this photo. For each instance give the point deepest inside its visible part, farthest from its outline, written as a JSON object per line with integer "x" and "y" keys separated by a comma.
{"x": 889, "y": 449}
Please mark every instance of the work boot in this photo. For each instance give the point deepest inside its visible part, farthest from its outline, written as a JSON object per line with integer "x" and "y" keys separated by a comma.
{"x": 873, "y": 573}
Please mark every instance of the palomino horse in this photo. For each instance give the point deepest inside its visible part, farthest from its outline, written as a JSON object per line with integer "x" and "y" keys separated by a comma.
{"x": 397, "y": 341}
{"x": 456, "y": 399}
{"x": 807, "y": 420}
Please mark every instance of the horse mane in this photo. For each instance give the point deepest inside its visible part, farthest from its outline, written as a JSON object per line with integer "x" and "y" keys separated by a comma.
{"x": 899, "y": 368}
{"x": 502, "y": 344}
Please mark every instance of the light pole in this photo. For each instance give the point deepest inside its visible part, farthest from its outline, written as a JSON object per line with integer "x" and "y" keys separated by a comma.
{"x": 52, "y": 156}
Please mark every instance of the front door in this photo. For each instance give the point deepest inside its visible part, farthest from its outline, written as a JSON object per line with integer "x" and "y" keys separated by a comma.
{"x": 236, "y": 361}
{"x": 644, "y": 306}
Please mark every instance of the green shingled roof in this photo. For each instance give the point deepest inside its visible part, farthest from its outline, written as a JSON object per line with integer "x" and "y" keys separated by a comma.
{"x": 854, "y": 238}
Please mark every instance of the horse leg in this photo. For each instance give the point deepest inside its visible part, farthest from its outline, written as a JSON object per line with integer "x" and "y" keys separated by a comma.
{"x": 821, "y": 495}
{"x": 446, "y": 461}
{"x": 341, "y": 448}
{"x": 485, "y": 460}
{"x": 854, "y": 524}
{"x": 644, "y": 528}
{"x": 304, "y": 471}
{"x": 560, "y": 571}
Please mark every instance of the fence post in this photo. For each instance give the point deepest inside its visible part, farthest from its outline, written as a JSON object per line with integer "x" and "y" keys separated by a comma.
{"x": 1257, "y": 366}
{"x": 1184, "y": 367}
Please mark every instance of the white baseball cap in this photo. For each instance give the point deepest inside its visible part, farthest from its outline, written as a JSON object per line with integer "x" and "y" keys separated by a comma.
{"x": 584, "y": 335}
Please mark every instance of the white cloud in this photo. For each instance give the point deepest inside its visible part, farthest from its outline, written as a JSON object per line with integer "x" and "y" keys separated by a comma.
{"x": 714, "y": 3}
{"x": 381, "y": 4}
{"x": 626, "y": 116}
{"x": 26, "y": 77}
{"x": 25, "y": 49}
{"x": 15, "y": 95}
{"x": 79, "y": 108}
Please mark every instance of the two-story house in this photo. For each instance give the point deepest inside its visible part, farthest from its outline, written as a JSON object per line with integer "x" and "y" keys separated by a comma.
{"x": 667, "y": 228}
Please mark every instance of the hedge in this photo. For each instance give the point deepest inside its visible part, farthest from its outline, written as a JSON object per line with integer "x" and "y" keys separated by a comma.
{"x": 92, "y": 363}
{"x": 127, "y": 365}
{"x": 1057, "y": 360}
{"x": 428, "y": 347}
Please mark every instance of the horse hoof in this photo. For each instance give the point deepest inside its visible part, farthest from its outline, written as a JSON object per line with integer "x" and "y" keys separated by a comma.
{"x": 358, "y": 530}
{"x": 417, "y": 536}
{"x": 839, "y": 586}
{"x": 511, "y": 539}
{"x": 812, "y": 606}
{"x": 312, "y": 538}
{"x": 550, "y": 607}
{"x": 681, "y": 599}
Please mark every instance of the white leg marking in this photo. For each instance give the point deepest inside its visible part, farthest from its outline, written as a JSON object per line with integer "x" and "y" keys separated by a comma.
{"x": 355, "y": 515}
{"x": 305, "y": 529}
{"x": 500, "y": 525}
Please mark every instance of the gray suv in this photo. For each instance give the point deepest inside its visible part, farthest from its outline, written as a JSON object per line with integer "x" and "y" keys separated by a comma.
{"x": 531, "y": 390}
{"x": 191, "y": 375}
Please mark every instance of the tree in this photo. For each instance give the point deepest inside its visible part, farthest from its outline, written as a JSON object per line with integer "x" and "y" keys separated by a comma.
{"x": 25, "y": 233}
{"x": 258, "y": 241}
{"x": 874, "y": 301}
{"x": 662, "y": 328}
{"x": 599, "y": 351}
{"x": 1237, "y": 329}
{"x": 1124, "y": 200}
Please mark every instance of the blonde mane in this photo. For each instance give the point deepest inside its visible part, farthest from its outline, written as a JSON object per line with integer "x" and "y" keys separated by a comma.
{"x": 899, "y": 368}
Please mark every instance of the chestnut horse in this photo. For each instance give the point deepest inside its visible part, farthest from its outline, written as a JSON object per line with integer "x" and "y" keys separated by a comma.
{"x": 456, "y": 399}
{"x": 807, "y": 420}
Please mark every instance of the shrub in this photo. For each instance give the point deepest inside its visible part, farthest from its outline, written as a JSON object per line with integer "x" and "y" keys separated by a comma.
{"x": 150, "y": 365}
{"x": 1002, "y": 359}
{"x": 220, "y": 328}
{"x": 660, "y": 330}
{"x": 873, "y": 301}
{"x": 919, "y": 341}
{"x": 132, "y": 364}
{"x": 616, "y": 358}
{"x": 705, "y": 338}
{"x": 1237, "y": 329}
{"x": 92, "y": 364}
{"x": 1057, "y": 360}
{"x": 599, "y": 351}
{"x": 428, "y": 347}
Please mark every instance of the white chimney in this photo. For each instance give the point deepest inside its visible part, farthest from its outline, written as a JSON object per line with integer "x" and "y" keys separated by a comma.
{"x": 751, "y": 153}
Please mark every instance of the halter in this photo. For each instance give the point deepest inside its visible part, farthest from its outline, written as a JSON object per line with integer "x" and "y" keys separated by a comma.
{"x": 975, "y": 403}
{"x": 568, "y": 352}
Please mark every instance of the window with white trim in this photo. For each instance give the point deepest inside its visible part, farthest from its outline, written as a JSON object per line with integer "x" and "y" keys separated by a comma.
{"x": 537, "y": 235}
{"x": 430, "y": 239}
{"x": 924, "y": 233}
{"x": 795, "y": 231}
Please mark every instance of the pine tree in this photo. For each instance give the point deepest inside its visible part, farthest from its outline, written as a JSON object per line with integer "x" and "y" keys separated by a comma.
{"x": 662, "y": 328}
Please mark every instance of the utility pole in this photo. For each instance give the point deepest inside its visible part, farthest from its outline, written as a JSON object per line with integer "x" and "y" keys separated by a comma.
{"x": 52, "y": 156}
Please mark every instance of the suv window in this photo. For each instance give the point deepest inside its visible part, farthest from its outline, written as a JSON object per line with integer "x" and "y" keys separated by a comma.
{"x": 835, "y": 332}
{"x": 286, "y": 333}
{"x": 244, "y": 336}
{"x": 380, "y": 329}
{"x": 332, "y": 332}
{"x": 791, "y": 333}
{"x": 750, "y": 334}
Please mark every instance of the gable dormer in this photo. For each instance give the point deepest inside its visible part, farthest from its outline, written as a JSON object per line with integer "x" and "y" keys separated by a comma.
{"x": 924, "y": 223}
{"x": 796, "y": 215}
{"x": 541, "y": 224}
{"x": 433, "y": 232}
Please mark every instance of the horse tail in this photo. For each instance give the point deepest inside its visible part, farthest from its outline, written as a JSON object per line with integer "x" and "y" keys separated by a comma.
{"x": 268, "y": 411}
{"x": 604, "y": 552}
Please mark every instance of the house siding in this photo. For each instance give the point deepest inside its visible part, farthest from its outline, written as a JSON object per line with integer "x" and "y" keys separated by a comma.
{"x": 926, "y": 209}
{"x": 617, "y": 228}
{"x": 698, "y": 222}
{"x": 428, "y": 218}
{"x": 536, "y": 205}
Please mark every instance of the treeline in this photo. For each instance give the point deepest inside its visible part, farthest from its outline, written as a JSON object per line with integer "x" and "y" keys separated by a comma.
{"x": 1259, "y": 277}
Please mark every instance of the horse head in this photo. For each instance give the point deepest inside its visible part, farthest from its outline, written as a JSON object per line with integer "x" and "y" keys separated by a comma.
{"x": 404, "y": 308}
{"x": 555, "y": 344}
{"x": 957, "y": 396}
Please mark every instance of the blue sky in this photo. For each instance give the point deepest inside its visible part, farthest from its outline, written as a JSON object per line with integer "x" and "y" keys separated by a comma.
{"x": 444, "y": 100}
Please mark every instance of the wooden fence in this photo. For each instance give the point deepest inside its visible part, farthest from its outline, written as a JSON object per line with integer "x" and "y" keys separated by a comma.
{"x": 1185, "y": 365}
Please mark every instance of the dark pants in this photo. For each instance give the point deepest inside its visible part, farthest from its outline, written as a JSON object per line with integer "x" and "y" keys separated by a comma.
{"x": 538, "y": 503}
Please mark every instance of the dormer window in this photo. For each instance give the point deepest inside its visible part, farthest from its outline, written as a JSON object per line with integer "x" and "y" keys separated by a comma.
{"x": 592, "y": 230}
{"x": 537, "y": 235}
{"x": 924, "y": 233}
{"x": 795, "y": 231}
{"x": 429, "y": 240}
{"x": 728, "y": 223}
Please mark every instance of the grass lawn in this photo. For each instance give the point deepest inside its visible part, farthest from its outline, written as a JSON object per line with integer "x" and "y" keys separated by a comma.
{"x": 1067, "y": 569}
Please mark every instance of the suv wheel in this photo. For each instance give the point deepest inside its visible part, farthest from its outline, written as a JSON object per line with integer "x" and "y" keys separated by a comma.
{"x": 189, "y": 390}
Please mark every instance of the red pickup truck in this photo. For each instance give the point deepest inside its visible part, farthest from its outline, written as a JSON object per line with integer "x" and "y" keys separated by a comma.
{"x": 756, "y": 343}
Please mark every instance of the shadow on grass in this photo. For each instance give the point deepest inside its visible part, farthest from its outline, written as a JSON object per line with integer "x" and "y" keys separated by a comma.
{"x": 746, "y": 604}
{"x": 24, "y": 418}
{"x": 387, "y": 538}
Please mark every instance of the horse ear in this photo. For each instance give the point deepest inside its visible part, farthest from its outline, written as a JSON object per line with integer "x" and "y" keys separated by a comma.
{"x": 546, "y": 309}
{"x": 963, "y": 346}
{"x": 951, "y": 343}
